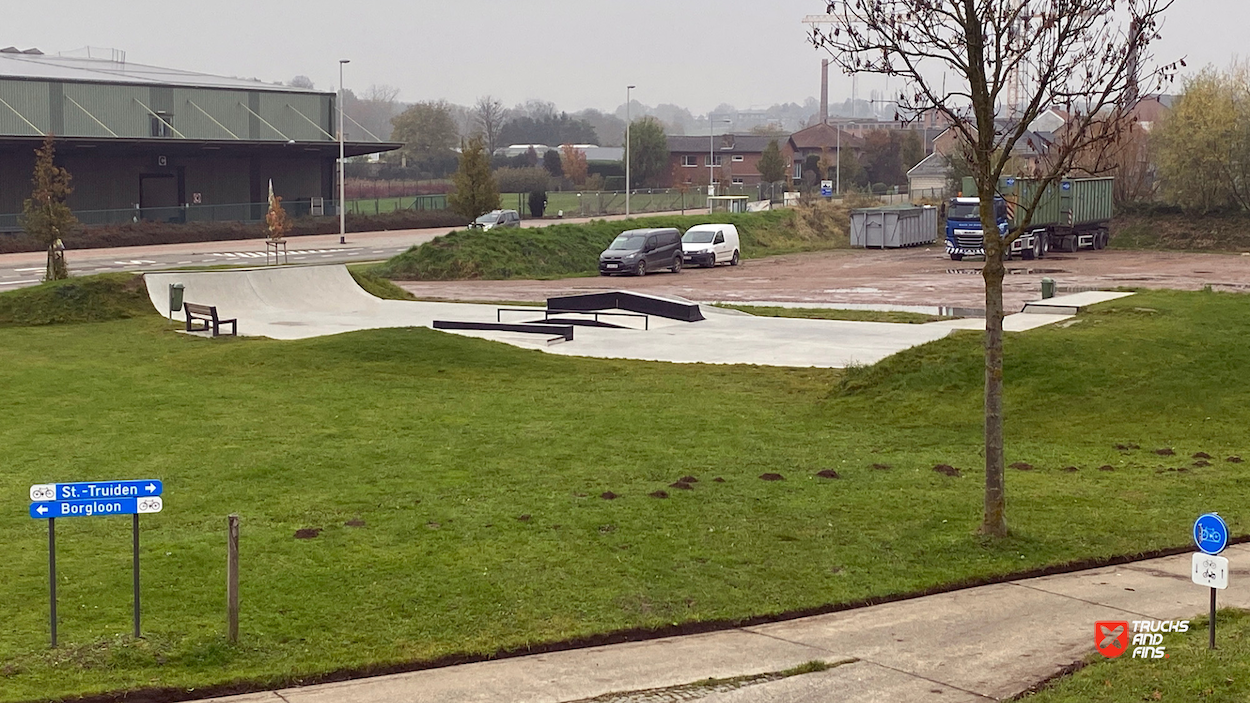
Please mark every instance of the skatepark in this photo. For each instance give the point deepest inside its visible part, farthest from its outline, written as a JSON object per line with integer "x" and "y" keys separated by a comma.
{"x": 300, "y": 302}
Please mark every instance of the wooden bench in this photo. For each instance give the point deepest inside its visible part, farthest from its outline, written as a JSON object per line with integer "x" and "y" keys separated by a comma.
{"x": 208, "y": 315}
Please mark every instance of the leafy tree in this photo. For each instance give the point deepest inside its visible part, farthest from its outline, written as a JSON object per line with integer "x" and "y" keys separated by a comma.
{"x": 488, "y": 115}
{"x": 772, "y": 166}
{"x": 428, "y": 132}
{"x": 881, "y": 157}
{"x": 812, "y": 172}
{"x": 551, "y": 162}
{"x": 1203, "y": 146}
{"x": 853, "y": 176}
{"x": 473, "y": 186}
{"x": 609, "y": 128}
{"x": 648, "y": 150}
{"x": 1082, "y": 54}
{"x": 552, "y": 130}
{"x": 301, "y": 82}
{"x": 573, "y": 164}
{"x": 772, "y": 129}
{"x": 911, "y": 151}
{"x": 45, "y": 216}
{"x": 277, "y": 223}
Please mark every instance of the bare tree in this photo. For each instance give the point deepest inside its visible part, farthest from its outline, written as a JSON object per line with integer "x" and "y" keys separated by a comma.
{"x": 488, "y": 114}
{"x": 974, "y": 60}
{"x": 372, "y": 111}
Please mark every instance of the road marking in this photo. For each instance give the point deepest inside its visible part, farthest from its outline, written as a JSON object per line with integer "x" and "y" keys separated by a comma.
{"x": 15, "y": 283}
{"x": 135, "y": 262}
{"x": 37, "y": 268}
{"x": 180, "y": 263}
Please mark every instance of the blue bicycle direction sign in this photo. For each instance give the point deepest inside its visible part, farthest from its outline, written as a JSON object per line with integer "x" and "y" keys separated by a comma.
{"x": 1211, "y": 533}
{"x": 95, "y": 507}
{"x": 41, "y": 492}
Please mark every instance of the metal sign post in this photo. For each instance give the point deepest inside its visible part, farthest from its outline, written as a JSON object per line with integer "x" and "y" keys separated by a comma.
{"x": 50, "y": 501}
{"x": 1208, "y": 568}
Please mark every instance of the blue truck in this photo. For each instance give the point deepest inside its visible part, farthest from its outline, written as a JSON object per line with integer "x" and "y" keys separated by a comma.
{"x": 1073, "y": 214}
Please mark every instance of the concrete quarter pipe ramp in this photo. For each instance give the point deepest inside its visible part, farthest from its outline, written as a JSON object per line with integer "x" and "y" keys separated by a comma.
{"x": 298, "y": 302}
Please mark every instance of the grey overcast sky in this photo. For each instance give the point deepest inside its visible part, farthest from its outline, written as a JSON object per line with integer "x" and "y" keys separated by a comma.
{"x": 575, "y": 53}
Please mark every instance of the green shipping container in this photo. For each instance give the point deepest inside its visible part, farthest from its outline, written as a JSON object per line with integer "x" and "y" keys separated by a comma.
{"x": 1071, "y": 202}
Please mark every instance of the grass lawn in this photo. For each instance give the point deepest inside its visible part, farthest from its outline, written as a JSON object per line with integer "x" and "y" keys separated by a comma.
{"x": 911, "y": 318}
{"x": 1190, "y": 673}
{"x": 459, "y": 484}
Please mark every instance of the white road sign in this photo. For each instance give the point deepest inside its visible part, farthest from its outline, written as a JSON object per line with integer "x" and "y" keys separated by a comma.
{"x": 1210, "y": 571}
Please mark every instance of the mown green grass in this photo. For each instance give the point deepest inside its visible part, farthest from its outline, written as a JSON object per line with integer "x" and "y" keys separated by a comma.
{"x": 911, "y": 318}
{"x": 1191, "y": 672}
{"x": 477, "y": 469}
{"x": 567, "y": 250}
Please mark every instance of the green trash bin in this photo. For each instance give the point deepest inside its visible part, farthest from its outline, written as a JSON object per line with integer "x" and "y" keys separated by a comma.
{"x": 1048, "y": 288}
{"x": 175, "y": 298}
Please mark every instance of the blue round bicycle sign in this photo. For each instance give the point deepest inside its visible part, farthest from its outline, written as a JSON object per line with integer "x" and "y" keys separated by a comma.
{"x": 1211, "y": 533}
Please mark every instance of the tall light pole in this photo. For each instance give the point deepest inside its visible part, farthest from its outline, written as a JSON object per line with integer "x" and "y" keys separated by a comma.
{"x": 711, "y": 148}
{"x": 342, "y": 182}
{"x": 838, "y": 186}
{"x": 627, "y": 185}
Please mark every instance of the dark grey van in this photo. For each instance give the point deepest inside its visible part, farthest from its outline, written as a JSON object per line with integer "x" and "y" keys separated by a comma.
{"x": 639, "y": 251}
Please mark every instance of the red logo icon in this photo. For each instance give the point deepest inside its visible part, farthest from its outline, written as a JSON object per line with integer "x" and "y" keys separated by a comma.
{"x": 1111, "y": 637}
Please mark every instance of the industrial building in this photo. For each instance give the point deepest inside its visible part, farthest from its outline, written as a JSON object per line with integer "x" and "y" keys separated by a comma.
{"x": 159, "y": 144}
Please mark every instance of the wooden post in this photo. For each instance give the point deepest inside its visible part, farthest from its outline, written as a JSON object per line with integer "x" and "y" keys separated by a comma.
{"x": 232, "y": 578}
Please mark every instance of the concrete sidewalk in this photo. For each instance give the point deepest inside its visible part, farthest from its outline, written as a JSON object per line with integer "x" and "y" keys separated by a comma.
{"x": 977, "y": 644}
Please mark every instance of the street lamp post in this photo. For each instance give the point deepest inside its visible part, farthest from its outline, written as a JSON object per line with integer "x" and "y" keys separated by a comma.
{"x": 342, "y": 182}
{"x": 711, "y": 149}
{"x": 838, "y": 186}
{"x": 627, "y": 183}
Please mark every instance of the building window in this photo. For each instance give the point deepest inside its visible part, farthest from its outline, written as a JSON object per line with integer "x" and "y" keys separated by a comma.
{"x": 717, "y": 159}
{"x": 739, "y": 181}
{"x": 162, "y": 124}
{"x": 688, "y": 160}
{"x": 798, "y": 170}
{"x": 737, "y": 158}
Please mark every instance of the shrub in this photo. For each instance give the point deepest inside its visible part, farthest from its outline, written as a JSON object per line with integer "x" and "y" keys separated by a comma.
{"x": 538, "y": 203}
{"x": 521, "y": 180}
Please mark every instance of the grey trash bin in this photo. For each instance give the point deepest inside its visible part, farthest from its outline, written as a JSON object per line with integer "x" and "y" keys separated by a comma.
{"x": 175, "y": 298}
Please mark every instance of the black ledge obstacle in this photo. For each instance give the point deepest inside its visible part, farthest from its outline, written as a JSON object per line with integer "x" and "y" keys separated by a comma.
{"x": 564, "y": 332}
{"x": 670, "y": 308}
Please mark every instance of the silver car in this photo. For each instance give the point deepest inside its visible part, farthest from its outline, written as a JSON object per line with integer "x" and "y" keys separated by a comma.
{"x": 497, "y": 219}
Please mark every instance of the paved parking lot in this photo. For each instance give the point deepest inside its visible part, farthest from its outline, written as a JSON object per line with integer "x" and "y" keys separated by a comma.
{"x": 921, "y": 276}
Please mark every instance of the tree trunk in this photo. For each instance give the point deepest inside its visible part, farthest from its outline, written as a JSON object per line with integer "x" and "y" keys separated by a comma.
{"x": 995, "y": 522}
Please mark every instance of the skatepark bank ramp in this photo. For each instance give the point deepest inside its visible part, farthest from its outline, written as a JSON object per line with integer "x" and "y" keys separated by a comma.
{"x": 299, "y": 302}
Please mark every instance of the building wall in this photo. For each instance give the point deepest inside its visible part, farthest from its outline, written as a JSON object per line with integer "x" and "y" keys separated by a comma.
{"x": 69, "y": 109}
{"x": 112, "y": 182}
{"x": 746, "y": 169}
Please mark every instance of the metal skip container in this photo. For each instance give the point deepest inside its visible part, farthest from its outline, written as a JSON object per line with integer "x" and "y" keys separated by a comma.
{"x": 894, "y": 227}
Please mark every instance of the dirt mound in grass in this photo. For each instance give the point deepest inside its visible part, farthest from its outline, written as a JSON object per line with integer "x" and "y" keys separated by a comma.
{"x": 1022, "y": 466}
{"x": 658, "y": 494}
{"x": 948, "y": 470}
{"x": 307, "y": 532}
{"x": 828, "y": 473}
{"x": 772, "y": 477}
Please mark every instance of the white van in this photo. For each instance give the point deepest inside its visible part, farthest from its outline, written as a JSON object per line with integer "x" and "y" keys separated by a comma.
{"x": 708, "y": 245}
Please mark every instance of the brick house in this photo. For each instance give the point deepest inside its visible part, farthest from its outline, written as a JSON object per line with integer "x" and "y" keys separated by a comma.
{"x": 822, "y": 138}
{"x": 733, "y": 156}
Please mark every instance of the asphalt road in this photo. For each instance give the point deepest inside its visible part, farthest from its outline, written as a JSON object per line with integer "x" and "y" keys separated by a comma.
{"x": 26, "y": 269}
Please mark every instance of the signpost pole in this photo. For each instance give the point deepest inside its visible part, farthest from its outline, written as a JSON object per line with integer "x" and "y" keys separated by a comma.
{"x": 232, "y": 578}
{"x": 135, "y": 530}
{"x": 52, "y": 574}
{"x": 1212, "y": 628}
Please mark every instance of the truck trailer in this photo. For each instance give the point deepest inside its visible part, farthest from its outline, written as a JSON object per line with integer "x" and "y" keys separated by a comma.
{"x": 1072, "y": 214}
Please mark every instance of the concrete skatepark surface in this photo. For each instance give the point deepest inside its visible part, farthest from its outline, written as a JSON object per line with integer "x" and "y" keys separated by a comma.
{"x": 298, "y": 302}
{"x": 978, "y": 644}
